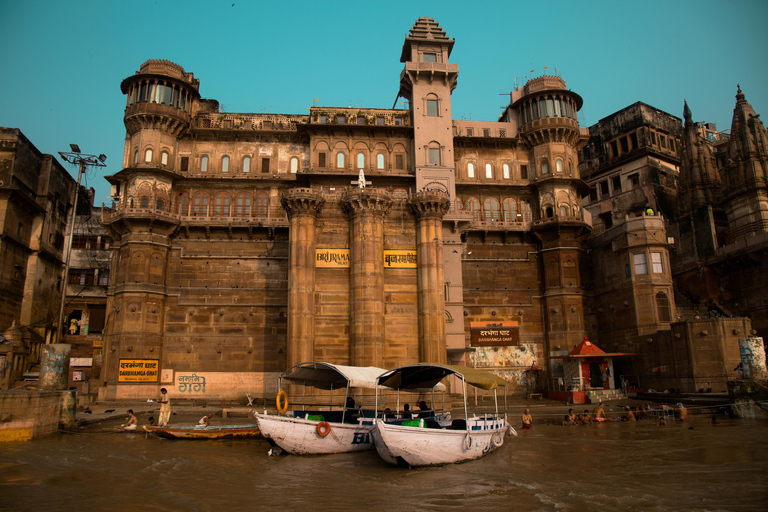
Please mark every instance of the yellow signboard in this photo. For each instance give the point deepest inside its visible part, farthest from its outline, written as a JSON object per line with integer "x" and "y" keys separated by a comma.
{"x": 400, "y": 259}
{"x": 332, "y": 258}
{"x": 138, "y": 370}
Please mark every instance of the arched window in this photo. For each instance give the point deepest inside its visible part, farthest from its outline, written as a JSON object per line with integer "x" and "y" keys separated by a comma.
{"x": 136, "y": 157}
{"x": 458, "y": 204}
{"x": 225, "y": 164}
{"x": 247, "y": 164}
{"x": 559, "y": 165}
{"x": 200, "y": 204}
{"x": 164, "y": 158}
{"x": 183, "y": 203}
{"x": 148, "y": 156}
{"x": 143, "y": 202}
{"x": 491, "y": 208}
{"x": 340, "y": 160}
{"x": 432, "y": 106}
{"x": 525, "y": 210}
{"x": 294, "y": 165}
{"x": 544, "y": 167}
{"x": 204, "y": 164}
{"x": 159, "y": 205}
{"x": 563, "y": 211}
{"x": 663, "y": 308}
{"x": 380, "y": 161}
{"x": 262, "y": 204}
{"x": 470, "y": 170}
{"x": 510, "y": 210}
{"x": 360, "y": 161}
{"x": 488, "y": 171}
{"x": 243, "y": 205}
{"x": 434, "y": 153}
{"x": 473, "y": 205}
{"x": 400, "y": 194}
{"x": 221, "y": 205}
{"x": 506, "y": 171}
{"x": 549, "y": 212}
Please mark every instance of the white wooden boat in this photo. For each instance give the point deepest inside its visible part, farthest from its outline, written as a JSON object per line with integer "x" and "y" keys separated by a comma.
{"x": 423, "y": 443}
{"x": 316, "y": 431}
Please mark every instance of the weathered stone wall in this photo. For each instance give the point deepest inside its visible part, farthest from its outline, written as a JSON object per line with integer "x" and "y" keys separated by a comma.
{"x": 28, "y": 414}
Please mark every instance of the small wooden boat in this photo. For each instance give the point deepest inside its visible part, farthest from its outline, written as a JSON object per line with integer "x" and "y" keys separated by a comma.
{"x": 326, "y": 430}
{"x": 427, "y": 443}
{"x": 202, "y": 432}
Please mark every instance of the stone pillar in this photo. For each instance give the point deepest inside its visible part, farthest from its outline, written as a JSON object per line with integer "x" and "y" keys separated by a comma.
{"x": 54, "y": 366}
{"x": 429, "y": 207}
{"x": 303, "y": 205}
{"x": 366, "y": 209}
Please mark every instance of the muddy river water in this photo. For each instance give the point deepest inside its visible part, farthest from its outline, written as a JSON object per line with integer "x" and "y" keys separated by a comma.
{"x": 615, "y": 466}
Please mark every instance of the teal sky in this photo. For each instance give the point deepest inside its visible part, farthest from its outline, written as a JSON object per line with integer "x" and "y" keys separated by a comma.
{"x": 61, "y": 63}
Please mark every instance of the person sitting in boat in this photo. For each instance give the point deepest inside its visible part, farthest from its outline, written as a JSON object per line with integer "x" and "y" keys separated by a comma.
{"x": 151, "y": 421}
{"x": 352, "y": 412}
{"x": 131, "y": 421}
{"x": 407, "y": 412}
{"x": 205, "y": 420}
{"x": 425, "y": 411}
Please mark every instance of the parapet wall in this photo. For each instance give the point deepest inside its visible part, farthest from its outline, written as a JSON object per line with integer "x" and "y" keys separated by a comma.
{"x": 28, "y": 414}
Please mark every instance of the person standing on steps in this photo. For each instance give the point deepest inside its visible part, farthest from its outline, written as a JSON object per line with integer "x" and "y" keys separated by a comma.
{"x": 165, "y": 408}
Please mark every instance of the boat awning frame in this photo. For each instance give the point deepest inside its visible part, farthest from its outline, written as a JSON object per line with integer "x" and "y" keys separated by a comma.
{"x": 419, "y": 376}
{"x": 332, "y": 376}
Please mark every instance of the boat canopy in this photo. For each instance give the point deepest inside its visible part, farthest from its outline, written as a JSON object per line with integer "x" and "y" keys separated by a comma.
{"x": 332, "y": 376}
{"x": 428, "y": 375}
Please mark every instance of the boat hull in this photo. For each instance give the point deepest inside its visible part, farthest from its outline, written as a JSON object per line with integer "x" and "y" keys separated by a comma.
{"x": 210, "y": 432}
{"x": 418, "y": 446}
{"x": 300, "y": 436}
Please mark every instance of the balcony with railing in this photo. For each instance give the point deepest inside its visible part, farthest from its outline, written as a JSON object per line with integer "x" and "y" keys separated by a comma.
{"x": 249, "y": 122}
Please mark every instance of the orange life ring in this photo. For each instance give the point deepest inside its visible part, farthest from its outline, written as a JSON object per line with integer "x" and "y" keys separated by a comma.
{"x": 323, "y": 428}
{"x": 282, "y": 402}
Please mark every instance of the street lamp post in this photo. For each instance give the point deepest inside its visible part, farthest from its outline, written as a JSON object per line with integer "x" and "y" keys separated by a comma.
{"x": 82, "y": 161}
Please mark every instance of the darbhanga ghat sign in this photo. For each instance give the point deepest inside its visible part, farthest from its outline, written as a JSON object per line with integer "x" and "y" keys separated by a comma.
{"x": 138, "y": 370}
{"x": 505, "y": 333}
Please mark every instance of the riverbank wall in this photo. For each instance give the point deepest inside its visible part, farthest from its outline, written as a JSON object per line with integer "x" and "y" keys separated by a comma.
{"x": 25, "y": 415}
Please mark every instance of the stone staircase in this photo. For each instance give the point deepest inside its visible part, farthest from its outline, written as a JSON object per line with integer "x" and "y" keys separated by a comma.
{"x": 605, "y": 395}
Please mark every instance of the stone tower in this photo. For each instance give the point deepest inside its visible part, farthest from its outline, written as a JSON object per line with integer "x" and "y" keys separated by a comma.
{"x": 549, "y": 129}
{"x": 427, "y": 81}
{"x": 745, "y": 174}
{"x": 161, "y": 99}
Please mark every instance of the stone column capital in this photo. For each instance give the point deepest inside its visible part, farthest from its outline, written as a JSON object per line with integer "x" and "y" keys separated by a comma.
{"x": 367, "y": 200}
{"x": 302, "y": 201}
{"x": 430, "y": 204}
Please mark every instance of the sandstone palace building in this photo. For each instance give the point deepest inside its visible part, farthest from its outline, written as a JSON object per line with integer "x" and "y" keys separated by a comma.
{"x": 245, "y": 243}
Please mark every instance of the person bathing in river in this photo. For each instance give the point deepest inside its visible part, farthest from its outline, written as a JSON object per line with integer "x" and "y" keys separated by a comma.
{"x": 630, "y": 415}
{"x": 527, "y": 420}
{"x": 682, "y": 412}
{"x": 598, "y": 414}
{"x": 131, "y": 422}
{"x": 571, "y": 416}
